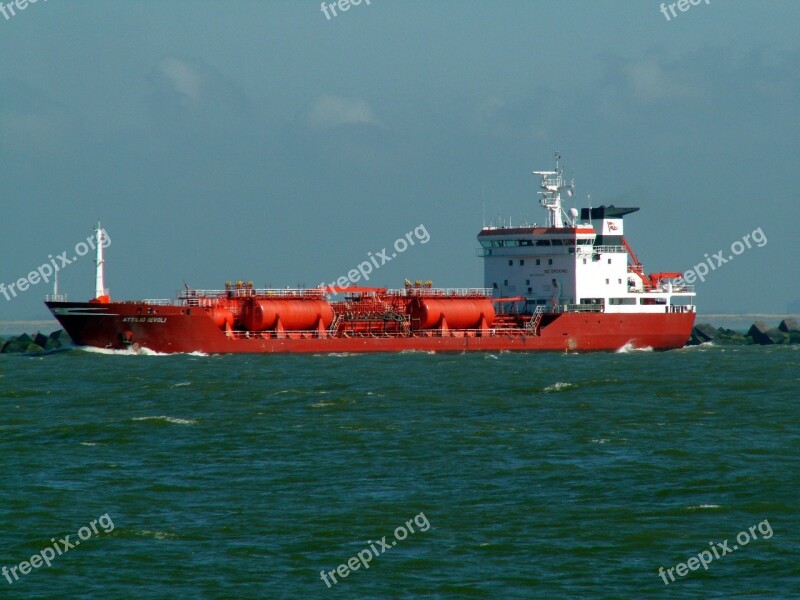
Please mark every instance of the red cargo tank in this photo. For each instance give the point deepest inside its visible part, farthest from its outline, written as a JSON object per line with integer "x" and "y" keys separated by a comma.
{"x": 223, "y": 318}
{"x": 460, "y": 313}
{"x": 294, "y": 315}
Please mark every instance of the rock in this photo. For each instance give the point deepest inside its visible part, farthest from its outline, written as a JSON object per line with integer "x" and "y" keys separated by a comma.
{"x": 789, "y": 326}
{"x": 764, "y": 335}
{"x": 794, "y": 338}
{"x": 729, "y": 336}
{"x": 778, "y": 336}
{"x": 701, "y": 334}
{"x": 15, "y": 346}
{"x": 25, "y": 344}
{"x": 60, "y": 338}
{"x": 24, "y": 338}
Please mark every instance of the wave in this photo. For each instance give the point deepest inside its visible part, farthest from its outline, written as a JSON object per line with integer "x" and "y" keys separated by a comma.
{"x": 558, "y": 386}
{"x": 175, "y": 420}
{"x": 693, "y": 347}
{"x": 126, "y": 352}
{"x": 140, "y": 351}
{"x": 629, "y": 347}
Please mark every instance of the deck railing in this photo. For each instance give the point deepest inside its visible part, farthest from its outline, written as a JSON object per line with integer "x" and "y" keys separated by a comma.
{"x": 441, "y": 292}
{"x": 247, "y": 292}
{"x": 605, "y": 249}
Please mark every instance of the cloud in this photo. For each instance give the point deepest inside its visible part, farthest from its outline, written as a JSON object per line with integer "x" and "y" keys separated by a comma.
{"x": 184, "y": 79}
{"x": 333, "y": 111}
{"x": 195, "y": 99}
{"x": 651, "y": 82}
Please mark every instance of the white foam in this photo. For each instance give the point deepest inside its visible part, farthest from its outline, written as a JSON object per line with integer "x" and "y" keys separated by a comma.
{"x": 629, "y": 347}
{"x": 167, "y": 419}
{"x": 700, "y": 347}
{"x": 558, "y": 386}
{"x": 109, "y": 351}
{"x": 138, "y": 351}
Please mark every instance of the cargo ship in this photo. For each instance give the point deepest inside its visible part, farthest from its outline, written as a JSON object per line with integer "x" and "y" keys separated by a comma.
{"x": 571, "y": 285}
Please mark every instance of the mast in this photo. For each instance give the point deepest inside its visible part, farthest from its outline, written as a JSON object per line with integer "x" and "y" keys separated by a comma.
{"x": 553, "y": 184}
{"x": 100, "y": 284}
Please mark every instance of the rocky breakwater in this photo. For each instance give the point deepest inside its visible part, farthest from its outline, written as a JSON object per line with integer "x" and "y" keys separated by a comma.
{"x": 760, "y": 333}
{"x": 36, "y": 343}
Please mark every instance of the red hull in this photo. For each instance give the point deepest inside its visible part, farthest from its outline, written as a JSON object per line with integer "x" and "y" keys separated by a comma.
{"x": 170, "y": 329}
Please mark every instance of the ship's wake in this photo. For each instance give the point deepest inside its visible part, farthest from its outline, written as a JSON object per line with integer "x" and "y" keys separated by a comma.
{"x": 135, "y": 352}
{"x": 629, "y": 347}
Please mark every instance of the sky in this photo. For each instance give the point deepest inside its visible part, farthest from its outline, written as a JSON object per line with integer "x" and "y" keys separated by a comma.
{"x": 264, "y": 141}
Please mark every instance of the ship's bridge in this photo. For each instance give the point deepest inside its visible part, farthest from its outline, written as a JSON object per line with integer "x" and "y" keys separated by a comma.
{"x": 575, "y": 262}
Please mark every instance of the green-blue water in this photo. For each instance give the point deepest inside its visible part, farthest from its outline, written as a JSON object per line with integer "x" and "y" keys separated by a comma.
{"x": 541, "y": 476}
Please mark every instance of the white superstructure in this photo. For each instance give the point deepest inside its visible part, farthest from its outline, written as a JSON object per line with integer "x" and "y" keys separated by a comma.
{"x": 575, "y": 264}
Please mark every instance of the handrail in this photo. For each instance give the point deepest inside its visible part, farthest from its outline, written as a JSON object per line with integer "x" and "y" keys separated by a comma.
{"x": 248, "y": 292}
{"x": 440, "y": 292}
